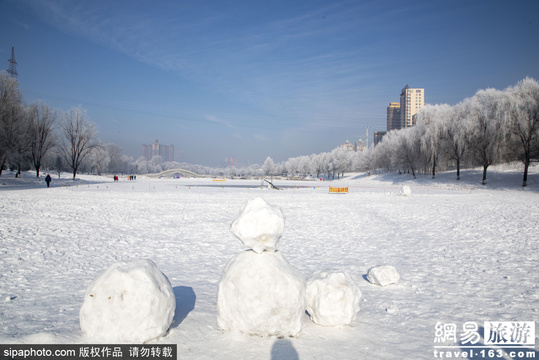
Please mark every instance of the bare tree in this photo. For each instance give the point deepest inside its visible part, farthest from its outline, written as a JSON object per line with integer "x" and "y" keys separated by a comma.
{"x": 41, "y": 122}
{"x": 80, "y": 137}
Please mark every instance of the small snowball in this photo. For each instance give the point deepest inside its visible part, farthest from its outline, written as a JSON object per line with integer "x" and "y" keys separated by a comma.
{"x": 259, "y": 225}
{"x": 332, "y": 298}
{"x": 406, "y": 191}
{"x": 383, "y": 275}
{"x": 128, "y": 302}
{"x": 261, "y": 294}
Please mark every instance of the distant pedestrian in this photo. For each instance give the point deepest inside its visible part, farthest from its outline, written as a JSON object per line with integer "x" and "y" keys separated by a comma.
{"x": 48, "y": 180}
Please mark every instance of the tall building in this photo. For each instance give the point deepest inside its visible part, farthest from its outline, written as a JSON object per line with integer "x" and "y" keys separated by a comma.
{"x": 165, "y": 151}
{"x": 394, "y": 116}
{"x": 412, "y": 99}
{"x": 378, "y": 136}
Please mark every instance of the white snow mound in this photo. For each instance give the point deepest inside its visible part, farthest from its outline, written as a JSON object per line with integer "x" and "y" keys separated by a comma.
{"x": 129, "y": 302}
{"x": 259, "y": 225}
{"x": 261, "y": 294}
{"x": 383, "y": 275}
{"x": 332, "y": 298}
{"x": 406, "y": 191}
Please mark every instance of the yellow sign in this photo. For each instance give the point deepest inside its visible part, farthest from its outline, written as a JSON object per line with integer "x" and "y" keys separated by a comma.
{"x": 338, "y": 190}
{"x": 219, "y": 179}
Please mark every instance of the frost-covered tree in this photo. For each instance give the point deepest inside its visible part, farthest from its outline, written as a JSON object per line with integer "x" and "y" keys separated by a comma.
{"x": 304, "y": 165}
{"x": 79, "y": 138}
{"x": 41, "y": 123}
{"x": 12, "y": 119}
{"x": 454, "y": 135}
{"x": 431, "y": 118}
{"x": 341, "y": 160}
{"x": 117, "y": 159}
{"x": 486, "y": 112}
{"x": 291, "y": 166}
{"x": 269, "y": 166}
{"x": 99, "y": 158}
{"x": 523, "y": 122}
{"x": 315, "y": 165}
{"x": 142, "y": 165}
{"x": 406, "y": 150}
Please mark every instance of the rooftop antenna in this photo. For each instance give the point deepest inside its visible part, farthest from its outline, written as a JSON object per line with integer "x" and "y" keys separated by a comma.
{"x": 13, "y": 65}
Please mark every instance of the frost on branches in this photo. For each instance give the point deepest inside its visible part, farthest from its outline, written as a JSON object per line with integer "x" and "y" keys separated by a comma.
{"x": 129, "y": 302}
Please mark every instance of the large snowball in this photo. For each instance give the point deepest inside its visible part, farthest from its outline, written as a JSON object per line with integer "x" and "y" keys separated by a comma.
{"x": 406, "y": 191}
{"x": 383, "y": 275}
{"x": 332, "y": 298}
{"x": 129, "y": 302}
{"x": 261, "y": 294}
{"x": 259, "y": 225}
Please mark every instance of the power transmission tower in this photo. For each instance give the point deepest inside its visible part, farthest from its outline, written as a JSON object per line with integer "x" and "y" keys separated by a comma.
{"x": 13, "y": 65}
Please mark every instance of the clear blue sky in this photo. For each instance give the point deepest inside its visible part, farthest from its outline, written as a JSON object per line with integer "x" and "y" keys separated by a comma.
{"x": 250, "y": 79}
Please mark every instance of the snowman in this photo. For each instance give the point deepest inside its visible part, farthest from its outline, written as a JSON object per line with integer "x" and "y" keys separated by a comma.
{"x": 260, "y": 293}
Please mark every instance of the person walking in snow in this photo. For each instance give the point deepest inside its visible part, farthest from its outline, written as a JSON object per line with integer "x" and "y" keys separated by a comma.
{"x": 48, "y": 180}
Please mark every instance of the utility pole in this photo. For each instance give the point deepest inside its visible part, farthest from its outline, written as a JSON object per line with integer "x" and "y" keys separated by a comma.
{"x": 13, "y": 65}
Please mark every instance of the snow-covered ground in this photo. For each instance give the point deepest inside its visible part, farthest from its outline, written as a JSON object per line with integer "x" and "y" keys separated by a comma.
{"x": 464, "y": 252}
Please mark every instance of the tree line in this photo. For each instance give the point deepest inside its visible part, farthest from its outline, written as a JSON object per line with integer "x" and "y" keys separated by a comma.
{"x": 38, "y": 136}
{"x": 491, "y": 127}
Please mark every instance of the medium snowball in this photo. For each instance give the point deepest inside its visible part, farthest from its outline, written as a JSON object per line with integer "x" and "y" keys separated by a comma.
{"x": 406, "y": 191}
{"x": 261, "y": 294}
{"x": 259, "y": 225}
{"x": 383, "y": 275}
{"x": 129, "y": 302}
{"x": 332, "y": 298}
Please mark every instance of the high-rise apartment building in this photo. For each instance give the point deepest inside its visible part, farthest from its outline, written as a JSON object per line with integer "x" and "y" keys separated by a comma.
{"x": 165, "y": 151}
{"x": 412, "y": 99}
{"x": 394, "y": 116}
{"x": 378, "y": 136}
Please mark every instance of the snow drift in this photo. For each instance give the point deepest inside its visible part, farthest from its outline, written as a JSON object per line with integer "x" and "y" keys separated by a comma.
{"x": 128, "y": 302}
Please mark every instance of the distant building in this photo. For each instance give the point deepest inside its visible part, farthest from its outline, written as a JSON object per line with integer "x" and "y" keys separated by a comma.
{"x": 378, "y": 136}
{"x": 347, "y": 146}
{"x": 165, "y": 151}
{"x": 394, "y": 116}
{"x": 412, "y": 99}
{"x": 359, "y": 146}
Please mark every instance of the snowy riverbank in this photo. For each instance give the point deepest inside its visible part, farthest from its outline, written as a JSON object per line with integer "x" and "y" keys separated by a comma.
{"x": 465, "y": 252}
